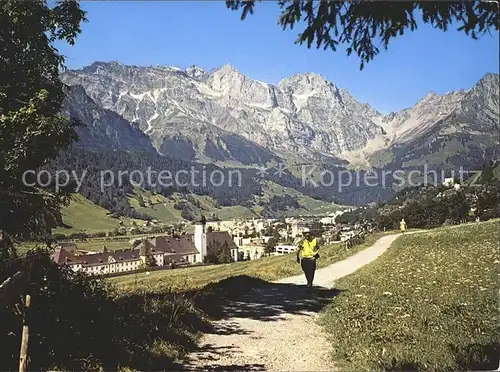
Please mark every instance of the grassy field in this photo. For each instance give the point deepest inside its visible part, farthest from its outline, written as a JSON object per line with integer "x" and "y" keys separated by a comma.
{"x": 156, "y": 206}
{"x": 429, "y": 303}
{"x": 161, "y": 208}
{"x": 152, "y": 325}
{"x": 84, "y": 216}
{"x": 268, "y": 268}
{"x": 98, "y": 245}
{"x": 88, "y": 245}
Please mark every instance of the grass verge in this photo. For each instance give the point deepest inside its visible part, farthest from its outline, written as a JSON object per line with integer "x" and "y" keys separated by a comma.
{"x": 430, "y": 303}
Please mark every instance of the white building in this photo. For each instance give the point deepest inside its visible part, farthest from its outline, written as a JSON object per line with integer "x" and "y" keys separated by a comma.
{"x": 284, "y": 249}
{"x": 330, "y": 220}
{"x": 448, "y": 182}
{"x": 200, "y": 241}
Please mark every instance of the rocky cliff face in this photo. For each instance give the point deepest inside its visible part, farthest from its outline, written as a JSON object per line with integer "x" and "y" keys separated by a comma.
{"x": 408, "y": 124}
{"x": 100, "y": 128}
{"x": 305, "y": 115}
{"x": 224, "y": 115}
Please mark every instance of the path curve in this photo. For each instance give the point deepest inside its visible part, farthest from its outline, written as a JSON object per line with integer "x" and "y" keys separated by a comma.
{"x": 265, "y": 329}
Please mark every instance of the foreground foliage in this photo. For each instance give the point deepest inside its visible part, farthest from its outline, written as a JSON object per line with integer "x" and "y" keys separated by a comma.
{"x": 364, "y": 26}
{"x": 31, "y": 129}
{"x": 430, "y": 303}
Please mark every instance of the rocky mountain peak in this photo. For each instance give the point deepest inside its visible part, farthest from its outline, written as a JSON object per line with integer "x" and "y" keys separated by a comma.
{"x": 195, "y": 72}
{"x": 226, "y": 69}
{"x": 488, "y": 84}
{"x": 489, "y": 78}
{"x": 305, "y": 83}
{"x": 233, "y": 85}
{"x": 429, "y": 97}
{"x": 99, "y": 67}
{"x": 226, "y": 79}
{"x": 308, "y": 87}
{"x": 480, "y": 106}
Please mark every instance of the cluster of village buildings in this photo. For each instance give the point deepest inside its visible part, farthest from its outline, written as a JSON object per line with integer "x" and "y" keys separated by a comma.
{"x": 246, "y": 239}
{"x": 157, "y": 251}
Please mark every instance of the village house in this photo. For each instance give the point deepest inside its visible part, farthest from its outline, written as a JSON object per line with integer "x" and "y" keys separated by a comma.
{"x": 330, "y": 236}
{"x": 253, "y": 250}
{"x": 203, "y": 240}
{"x": 283, "y": 234}
{"x": 329, "y": 220}
{"x": 177, "y": 249}
{"x": 449, "y": 181}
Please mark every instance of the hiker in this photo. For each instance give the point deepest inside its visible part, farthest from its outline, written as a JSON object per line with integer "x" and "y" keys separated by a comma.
{"x": 402, "y": 225}
{"x": 309, "y": 248}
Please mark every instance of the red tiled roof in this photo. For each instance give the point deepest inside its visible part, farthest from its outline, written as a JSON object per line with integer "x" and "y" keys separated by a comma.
{"x": 102, "y": 258}
{"x": 60, "y": 255}
{"x": 170, "y": 245}
{"x": 221, "y": 237}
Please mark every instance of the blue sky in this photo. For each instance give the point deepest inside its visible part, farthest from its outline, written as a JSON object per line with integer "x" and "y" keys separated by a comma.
{"x": 206, "y": 33}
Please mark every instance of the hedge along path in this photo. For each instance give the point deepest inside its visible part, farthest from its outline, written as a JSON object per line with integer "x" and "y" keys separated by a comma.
{"x": 274, "y": 328}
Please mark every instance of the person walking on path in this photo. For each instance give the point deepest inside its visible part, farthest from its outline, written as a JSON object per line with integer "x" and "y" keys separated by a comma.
{"x": 402, "y": 225}
{"x": 308, "y": 248}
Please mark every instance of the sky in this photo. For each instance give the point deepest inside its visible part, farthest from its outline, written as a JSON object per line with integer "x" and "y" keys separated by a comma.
{"x": 207, "y": 34}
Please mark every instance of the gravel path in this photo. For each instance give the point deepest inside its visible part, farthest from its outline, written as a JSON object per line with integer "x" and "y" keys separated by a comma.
{"x": 266, "y": 328}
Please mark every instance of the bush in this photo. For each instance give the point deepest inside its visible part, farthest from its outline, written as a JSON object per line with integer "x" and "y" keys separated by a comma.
{"x": 218, "y": 253}
{"x": 78, "y": 236}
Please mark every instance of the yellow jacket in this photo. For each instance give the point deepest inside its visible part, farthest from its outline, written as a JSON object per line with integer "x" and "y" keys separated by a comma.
{"x": 402, "y": 226}
{"x": 309, "y": 248}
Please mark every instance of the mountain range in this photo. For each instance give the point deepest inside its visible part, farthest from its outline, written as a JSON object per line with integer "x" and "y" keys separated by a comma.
{"x": 225, "y": 117}
{"x": 226, "y": 120}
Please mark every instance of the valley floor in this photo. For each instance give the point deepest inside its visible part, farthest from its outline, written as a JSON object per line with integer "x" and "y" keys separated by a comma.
{"x": 267, "y": 329}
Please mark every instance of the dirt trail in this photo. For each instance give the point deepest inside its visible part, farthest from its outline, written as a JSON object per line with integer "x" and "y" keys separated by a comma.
{"x": 266, "y": 328}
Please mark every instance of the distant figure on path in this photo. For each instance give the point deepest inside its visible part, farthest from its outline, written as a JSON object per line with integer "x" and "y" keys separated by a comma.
{"x": 309, "y": 248}
{"x": 402, "y": 225}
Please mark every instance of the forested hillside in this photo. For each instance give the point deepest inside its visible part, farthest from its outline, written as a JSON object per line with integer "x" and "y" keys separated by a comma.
{"x": 433, "y": 206}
